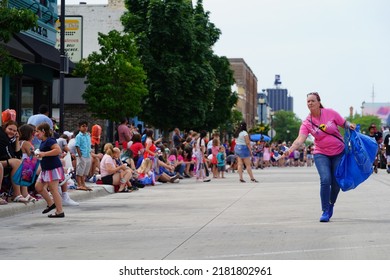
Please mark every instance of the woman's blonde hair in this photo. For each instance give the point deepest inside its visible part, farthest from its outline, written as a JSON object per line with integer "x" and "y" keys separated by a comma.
{"x": 146, "y": 166}
{"x": 108, "y": 149}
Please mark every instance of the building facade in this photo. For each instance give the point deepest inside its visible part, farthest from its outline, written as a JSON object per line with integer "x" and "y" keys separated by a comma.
{"x": 278, "y": 99}
{"x": 35, "y": 49}
{"x": 104, "y": 18}
{"x": 97, "y": 18}
{"x": 246, "y": 83}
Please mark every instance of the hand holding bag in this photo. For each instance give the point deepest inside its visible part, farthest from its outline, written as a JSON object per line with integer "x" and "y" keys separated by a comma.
{"x": 357, "y": 162}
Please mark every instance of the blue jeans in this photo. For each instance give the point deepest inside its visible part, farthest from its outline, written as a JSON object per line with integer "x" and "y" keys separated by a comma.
{"x": 329, "y": 189}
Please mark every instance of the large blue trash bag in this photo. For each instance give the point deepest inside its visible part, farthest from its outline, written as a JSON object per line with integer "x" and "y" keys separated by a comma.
{"x": 357, "y": 162}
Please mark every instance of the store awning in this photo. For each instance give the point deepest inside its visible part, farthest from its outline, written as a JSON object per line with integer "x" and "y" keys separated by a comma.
{"x": 44, "y": 54}
{"x": 18, "y": 51}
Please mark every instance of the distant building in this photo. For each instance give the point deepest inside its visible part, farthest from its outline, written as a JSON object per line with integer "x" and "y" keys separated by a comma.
{"x": 246, "y": 83}
{"x": 381, "y": 110}
{"x": 278, "y": 98}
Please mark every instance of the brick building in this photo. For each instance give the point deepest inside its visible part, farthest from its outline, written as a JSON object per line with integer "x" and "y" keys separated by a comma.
{"x": 246, "y": 82}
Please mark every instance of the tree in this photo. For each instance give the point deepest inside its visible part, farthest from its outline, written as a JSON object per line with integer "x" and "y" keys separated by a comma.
{"x": 224, "y": 99}
{"x": 286, "y": 125}
{"x": 365, "y": 122}
{"x": 115, "y": 78}
{"x": 12, "y": 21}
{"x": 229, "y": 126}
{"x": 175, "y": 44}
{"x": 260, "y": 128}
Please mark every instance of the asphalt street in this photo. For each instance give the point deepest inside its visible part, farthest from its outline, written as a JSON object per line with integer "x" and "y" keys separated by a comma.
{"x": 275, "y": 219}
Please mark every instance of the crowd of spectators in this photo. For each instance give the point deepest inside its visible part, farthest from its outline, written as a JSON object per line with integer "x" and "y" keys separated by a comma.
{"x": 136, "y": 159}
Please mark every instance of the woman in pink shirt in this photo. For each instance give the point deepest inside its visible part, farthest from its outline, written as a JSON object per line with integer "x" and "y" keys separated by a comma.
{"x": 322, "y": 123}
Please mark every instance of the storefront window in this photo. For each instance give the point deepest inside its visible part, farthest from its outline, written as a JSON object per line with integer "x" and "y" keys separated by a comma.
{"x": 27, "y": 103}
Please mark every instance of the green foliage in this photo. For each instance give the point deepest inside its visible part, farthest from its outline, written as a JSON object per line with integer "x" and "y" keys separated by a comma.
{"x": 286, "y": 125}
{"x": 220, "y": 109}
{"x": 365, "y": 122}
{"x": 184, "y": 77}
{"x": 12, "y": 21}
{"x": 228, "y": 127}
{"x": 260, "y": 128}
{"x": 115, "y": 78}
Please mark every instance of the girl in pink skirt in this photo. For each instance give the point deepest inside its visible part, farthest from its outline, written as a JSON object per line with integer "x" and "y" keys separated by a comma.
{"x": 52, "y": 171}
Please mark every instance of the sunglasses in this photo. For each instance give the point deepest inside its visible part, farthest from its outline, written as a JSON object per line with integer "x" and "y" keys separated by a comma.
{"x": 313, "y": 93}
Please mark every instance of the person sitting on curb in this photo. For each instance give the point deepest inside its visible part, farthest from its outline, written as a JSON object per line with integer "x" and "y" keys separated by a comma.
{"x": 110, "y": 172}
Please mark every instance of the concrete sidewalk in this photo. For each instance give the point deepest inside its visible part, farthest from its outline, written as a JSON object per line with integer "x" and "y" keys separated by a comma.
{"x": 275, "y": 219}
{"x": 14, "y": 208}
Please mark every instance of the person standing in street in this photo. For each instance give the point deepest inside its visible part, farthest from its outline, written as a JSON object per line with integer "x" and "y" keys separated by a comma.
{"x": 84, "y": 161}
{"x": 52, "y": 171}
{"x": 243, "y": 150}
{"x": 386, "y": 142}
{"x": 322, "y": 123}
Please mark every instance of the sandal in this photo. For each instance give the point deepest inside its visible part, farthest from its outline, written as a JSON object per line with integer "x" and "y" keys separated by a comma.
{"x": 3, "y": 202}
{"x": 20, "y": 198}
{"x": 83, "y": 189}
{"x": 242, "y": 181}
{"x": 254, "y": 180}
{"x": 31, "y": 198}
{"x": 57, "y": 215}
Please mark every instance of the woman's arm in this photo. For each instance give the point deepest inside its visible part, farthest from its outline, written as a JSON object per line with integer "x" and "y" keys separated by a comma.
{"x": 248, "y": 143}
{"x": 112, "y": 169}
{"x": 296, "y": 144}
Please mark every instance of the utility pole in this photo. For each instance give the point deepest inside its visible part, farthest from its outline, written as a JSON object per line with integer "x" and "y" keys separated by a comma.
{"x": 62, "y": 64}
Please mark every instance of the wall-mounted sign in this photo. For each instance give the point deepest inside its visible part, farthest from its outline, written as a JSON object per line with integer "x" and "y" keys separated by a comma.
{"x": 73, "y": 37}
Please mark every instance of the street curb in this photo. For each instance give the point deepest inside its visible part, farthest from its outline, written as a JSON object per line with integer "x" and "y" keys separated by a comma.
{"x": 13, "y": 208}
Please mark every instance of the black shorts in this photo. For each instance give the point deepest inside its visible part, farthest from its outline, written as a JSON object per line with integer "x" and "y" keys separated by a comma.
{"x": 107, "y": 180}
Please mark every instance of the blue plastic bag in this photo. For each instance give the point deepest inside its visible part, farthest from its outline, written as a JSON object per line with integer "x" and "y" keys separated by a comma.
{"x": 356, "y": 165}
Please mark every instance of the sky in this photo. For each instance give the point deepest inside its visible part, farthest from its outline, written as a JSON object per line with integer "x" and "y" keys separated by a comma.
{"x": 338, "y": 48}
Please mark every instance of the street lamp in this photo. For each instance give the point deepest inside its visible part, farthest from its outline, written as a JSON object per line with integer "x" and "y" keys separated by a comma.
{"x": 261, "y": 102}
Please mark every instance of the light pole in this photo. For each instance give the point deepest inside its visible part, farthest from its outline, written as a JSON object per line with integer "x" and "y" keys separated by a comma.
{"x": 62, "y": 64}
{"x": 261, "y": 102}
